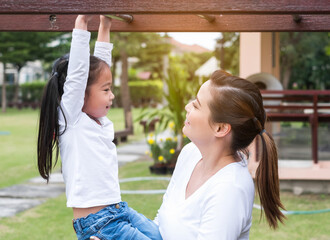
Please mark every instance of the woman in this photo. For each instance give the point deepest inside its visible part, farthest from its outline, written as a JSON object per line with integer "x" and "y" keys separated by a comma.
{"x": 211, "y": 192}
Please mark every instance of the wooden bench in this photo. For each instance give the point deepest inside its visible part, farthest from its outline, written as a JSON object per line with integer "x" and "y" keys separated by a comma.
{"x": 121, "y": 136}
{"x": 150, "y": 127}
{"x": 311, "y": 106}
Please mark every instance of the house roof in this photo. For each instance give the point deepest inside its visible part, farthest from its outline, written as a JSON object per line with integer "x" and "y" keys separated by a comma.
{"x": 208, "y": 67}
{"x": 183, "y": 48}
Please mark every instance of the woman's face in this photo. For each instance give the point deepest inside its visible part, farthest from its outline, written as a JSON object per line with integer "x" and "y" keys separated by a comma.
{"x": 197, "y": 125}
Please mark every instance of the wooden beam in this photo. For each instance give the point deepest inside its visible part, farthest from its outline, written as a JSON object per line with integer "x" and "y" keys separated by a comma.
{"x": 165, "y": 7}
{"x": 173, "y": 23}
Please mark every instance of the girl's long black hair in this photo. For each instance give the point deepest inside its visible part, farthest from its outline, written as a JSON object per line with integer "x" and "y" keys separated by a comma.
{"x": 48, "y": 136}
{"x": 48, "y": 121}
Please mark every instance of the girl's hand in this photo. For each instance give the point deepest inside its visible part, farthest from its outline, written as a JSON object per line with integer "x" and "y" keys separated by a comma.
{"x": 82, "y": 21}
{"x": 105, "y": 22}
{"x": 104, "y": 29}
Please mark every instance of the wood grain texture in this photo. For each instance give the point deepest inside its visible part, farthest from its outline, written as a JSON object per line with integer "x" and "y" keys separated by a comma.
{"x": 165, "y": 6}
{"x": 174, "y": 23}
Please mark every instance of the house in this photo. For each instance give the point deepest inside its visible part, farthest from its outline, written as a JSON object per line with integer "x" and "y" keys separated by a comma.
{"x": 30, "y": 72}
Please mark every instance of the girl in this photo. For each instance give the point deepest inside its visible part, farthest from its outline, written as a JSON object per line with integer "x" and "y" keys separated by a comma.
{"x": 73, "y": 120}
{"x": 211, "y": 193}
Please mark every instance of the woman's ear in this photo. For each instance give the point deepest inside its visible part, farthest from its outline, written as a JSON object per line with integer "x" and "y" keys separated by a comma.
{"x": 222, "y": 129}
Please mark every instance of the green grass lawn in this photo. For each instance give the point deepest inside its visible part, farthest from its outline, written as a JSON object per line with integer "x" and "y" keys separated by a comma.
{"x": 18, "y": 160}
{"x": 52, "y": 220}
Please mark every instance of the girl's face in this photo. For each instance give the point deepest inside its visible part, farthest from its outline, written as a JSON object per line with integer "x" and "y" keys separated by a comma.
{"x": 197, "y": 125}
{"x": 98, "y": 96}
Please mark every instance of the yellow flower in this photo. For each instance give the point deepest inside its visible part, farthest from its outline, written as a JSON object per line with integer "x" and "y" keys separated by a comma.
{"x": 161, "y": 140}
{"x": 184, "y": 136}
{"x": 147, "y": 152}
{"x": 151, "y": 141}
{"x": 172, "y": 151}
{"x": 150, "y": 154}
{"x": 176, "y": 139}
{"x": 171, "y": 125}
{"x": 161, "y": 158}
{"x": 168, "y": 139}
{"x": 151, "y": 134}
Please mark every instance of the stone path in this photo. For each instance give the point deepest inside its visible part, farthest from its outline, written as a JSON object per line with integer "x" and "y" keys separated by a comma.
{"x": 35, "y": 191}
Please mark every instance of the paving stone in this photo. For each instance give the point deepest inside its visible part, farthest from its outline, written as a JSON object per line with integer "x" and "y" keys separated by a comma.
{"x": 21, "y": 197}
{"x": 55, "y": 178}
{"x": 134, "y": 148}
{"x": 11, "y": 206}
{"x": 32, "y": 191}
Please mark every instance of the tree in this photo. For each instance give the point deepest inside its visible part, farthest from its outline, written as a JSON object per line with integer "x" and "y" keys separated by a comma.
{"x": 227, "y": 51}
{"x": 180, "y": 91}
{"x": 17, "y": 48}
{"x": 191, "y": 61}
{"x": 304, "y": 60}
{"x": 148, "y": 48}
{"x": 123, "y": 48}
{"x": 151, "y": 53}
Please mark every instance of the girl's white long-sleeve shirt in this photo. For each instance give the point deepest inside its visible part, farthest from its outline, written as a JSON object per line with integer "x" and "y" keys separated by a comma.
{"x": 88, "y": 154}
{"x": 221, "y": 209}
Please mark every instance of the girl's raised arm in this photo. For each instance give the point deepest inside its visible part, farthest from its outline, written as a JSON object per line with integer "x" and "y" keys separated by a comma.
{"x": 104, "y": 29}
{"x": 103, "y": 47}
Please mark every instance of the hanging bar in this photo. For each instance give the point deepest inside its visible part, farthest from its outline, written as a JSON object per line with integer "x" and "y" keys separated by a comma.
{"x": 208, "y": 17}
{"x": 165, "y": 7}
{"x": 172, "y": 23}
{"x": 121, "y": 17}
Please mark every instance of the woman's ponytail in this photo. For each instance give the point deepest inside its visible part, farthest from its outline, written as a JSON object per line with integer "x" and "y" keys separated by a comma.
{"x": 48, "y": 134}
{"x": 247, "y": 117}
{"x": 267, "y": 181}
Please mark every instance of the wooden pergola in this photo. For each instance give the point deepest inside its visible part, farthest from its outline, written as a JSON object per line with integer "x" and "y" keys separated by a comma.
{"x": 170, "y": 15}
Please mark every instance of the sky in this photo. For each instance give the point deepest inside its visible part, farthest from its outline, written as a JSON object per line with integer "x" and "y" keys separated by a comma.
{"x": 204, "y": 39}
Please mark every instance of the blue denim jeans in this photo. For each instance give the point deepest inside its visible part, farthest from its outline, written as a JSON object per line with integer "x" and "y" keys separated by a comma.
{"x": 116, "y": 222}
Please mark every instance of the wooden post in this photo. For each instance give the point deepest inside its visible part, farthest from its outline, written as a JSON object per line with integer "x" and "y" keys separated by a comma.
{"x": 314, "y": 127}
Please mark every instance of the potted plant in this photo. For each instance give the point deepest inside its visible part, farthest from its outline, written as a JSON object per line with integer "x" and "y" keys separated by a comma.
{"x": 172, "y": 114}
{"x": 162, "y": 151}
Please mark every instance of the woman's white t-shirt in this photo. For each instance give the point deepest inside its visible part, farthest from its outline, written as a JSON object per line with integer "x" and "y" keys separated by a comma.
{"x": 221, "y": 209}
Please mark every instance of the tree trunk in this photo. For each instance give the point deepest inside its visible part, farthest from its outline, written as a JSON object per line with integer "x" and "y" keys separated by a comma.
{"x": 286, "y": 77}
{"x": 16, "y": 86}
{"x": 222, "y": 53}
{"x": 4, "y": 94}
{"x": 165, "y": 76}
{"x": 114, "y": 69}
{"x": 124, "y": 90}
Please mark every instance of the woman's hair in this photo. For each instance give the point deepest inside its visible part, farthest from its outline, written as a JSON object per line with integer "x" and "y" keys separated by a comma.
{"x": 238, "y": 102}
{"x": 49, "y": 133}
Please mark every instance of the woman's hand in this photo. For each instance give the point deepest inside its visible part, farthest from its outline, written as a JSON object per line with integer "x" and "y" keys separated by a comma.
{"x": 94, "y": 238}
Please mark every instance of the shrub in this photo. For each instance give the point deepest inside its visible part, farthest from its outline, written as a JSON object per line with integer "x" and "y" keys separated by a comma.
{"x": 143, "y": 93}
{"x": 9, "y": 93}
{"x": 32, "y": 92}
